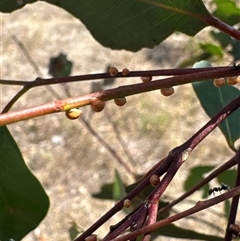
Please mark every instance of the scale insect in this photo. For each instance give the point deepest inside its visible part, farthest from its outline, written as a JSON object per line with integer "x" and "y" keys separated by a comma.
{"x": 218, "y": 189}
{"x": 235, "y": 229}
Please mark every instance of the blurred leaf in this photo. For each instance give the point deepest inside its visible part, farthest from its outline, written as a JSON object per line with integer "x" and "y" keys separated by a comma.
{"x": 222, "y": 38}
{"x": 143, "y": 194}
{"x": 227, "y": 11}
{"x": 214, "y": 99}
{"x": 23, "y": 201}
{"x": 118, "y": 187}
{"x": 59, "y": 66}
{"x": 176, "y": 232}
{"x": 212, "y": 49}
{"x": 228, "y": 177}
{"x": 131, "y": 24}
{"x": 113, "y": 191}
{"x": 227, "y": 207}
{"x": 74, "y": 230}
{"x": 194, "y": 59}
{"x": 235, "y": 51}
{"x": 195, "y": 176}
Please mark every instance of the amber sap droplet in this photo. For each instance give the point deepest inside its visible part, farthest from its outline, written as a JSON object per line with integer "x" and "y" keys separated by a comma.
{"x": 91, "y": 238}
{"x": 146, "y": 79}
{"x": 113, "y": 71}
{"x": 97, "y": 104}
{"x": 125, "y": 71}
{"x": 219, "y": 82}
{"x": 127, "y": 203}
{"x": 232, "y": 80}
{"x": 120, "y": 101}
{"x": 154, "y": 180}
{"x": 167, "y": 91}
{"x": 73, "y": 114}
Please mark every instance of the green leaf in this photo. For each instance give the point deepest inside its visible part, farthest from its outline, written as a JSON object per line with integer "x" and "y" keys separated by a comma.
{"x": 212, "y": 49}
{"x": 228, "y": 177}
{"x": 113, "y": 191}
{"x": 194, "y": 59}
{"x": 74, "y": 230}
{"x": 222, "y": 38}
{"x": 118, "y": 187}
{"x": 227, "y": 11}
{"x": 23, "y": 201}
{"x": 214, "y": 99}
{"x": 235, "y": 51}
{"x": 195, "y": 176}
{"x": 177, "y": 232}
{"x": 132, "y": 24}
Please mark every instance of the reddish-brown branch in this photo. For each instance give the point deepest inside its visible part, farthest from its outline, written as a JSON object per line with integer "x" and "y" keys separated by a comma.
{"x": 200, "y": 205}
{"x": 217, "y": 23}
{"x": 215, "y": 173}
{"x": 183, "y": 150}
{"x": 235, "y": 201}
{"x": 145, "y": 73}
{"x": 123, "y": 91}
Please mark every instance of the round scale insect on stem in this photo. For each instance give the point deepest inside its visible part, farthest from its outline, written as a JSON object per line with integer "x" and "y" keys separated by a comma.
{"x": 167, "y": 91}
{"x": 127, "y": 203}
{"x": 235, "y": 229}
{"x": 97, "y": 104}
{"x": 154, "y": 180}
{"x": 73, "y": 113}
{"x": 92, "y": 237}
{"x": 120, "y": 101}
{"x": 232, "y": 80}
{"x": 146, "y": 79}
{"x": 219, "y": 82}
{"x": 113, "y": 71}
{"x": 125, "y": 71}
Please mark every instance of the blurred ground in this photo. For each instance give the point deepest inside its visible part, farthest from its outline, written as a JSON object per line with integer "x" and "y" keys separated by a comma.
{"x": 70, "y": 163}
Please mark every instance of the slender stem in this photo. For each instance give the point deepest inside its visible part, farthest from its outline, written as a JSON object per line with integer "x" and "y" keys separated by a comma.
{"x": 14, "y": 99}
{"x": 67, "y": 104}
{"x": 183, "y": 150}
{"x": 215, "y": 173}
{"x": 69, "y": 79}
{"x": 217, "y": 23}
{"x": 200, "y": 205}
{"x": 235, "y": 201}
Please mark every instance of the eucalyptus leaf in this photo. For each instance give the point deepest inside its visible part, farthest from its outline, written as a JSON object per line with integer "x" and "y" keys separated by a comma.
{"x": 113, "y": 191}
{"x": 23, "y": 201}
{"x": 214, "y": 99}
{"x": 131, "y": 24}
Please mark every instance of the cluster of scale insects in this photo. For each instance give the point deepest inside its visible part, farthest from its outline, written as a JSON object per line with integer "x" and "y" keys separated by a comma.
{"x": 98, "y": 104}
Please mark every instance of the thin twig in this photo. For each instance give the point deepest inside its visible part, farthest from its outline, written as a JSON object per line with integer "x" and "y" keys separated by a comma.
{"x": 235, "y": 201}
{"x": 145, "y": 73}
{"x": 184, "y": 149}
{"x": 200, "y": 205}
{"x": 211, "y": 176}
{"x": 123, "y": 91}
